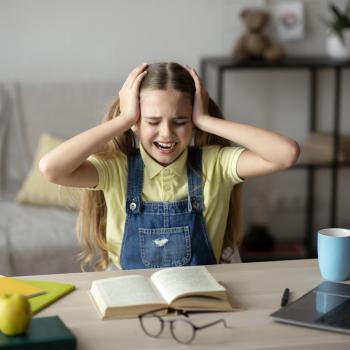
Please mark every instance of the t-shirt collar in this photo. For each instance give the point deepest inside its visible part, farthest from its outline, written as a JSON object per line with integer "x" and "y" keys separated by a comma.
{"x": 152, "y": 168}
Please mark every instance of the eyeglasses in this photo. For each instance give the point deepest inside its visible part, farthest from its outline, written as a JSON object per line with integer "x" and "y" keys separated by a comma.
{"x": 182, "y": 330}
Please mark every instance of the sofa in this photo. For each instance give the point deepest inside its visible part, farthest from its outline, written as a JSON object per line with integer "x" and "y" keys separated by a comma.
{"x": 39, "y": 238}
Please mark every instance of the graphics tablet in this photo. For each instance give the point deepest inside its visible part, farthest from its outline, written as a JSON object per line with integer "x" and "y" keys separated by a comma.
{"x": 327, "y": 306}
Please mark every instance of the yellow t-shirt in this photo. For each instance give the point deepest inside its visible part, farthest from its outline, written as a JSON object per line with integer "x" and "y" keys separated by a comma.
{"x": 169, "y": 184}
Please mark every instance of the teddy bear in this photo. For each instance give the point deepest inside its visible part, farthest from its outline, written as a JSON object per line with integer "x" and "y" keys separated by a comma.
{"x": 254, "y": 43}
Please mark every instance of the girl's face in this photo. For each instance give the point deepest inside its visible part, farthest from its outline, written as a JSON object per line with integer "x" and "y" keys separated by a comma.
{"x": 165, "y": 127}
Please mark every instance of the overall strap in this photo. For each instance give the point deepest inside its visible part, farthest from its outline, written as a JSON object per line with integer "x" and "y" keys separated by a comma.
{"x": 195, "y": 183}
{"x": 135, "y": 183}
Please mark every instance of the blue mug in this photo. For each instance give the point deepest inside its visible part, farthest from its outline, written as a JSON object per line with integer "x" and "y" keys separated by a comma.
{"x": 333, "y": 250}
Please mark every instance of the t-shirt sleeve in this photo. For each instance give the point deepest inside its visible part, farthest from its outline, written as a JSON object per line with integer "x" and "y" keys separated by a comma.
{"x": 109, "y": 171}
{"x": 101, "y": 166}
{"x": 228, "y": 157}
{"x": 221, "y": 162}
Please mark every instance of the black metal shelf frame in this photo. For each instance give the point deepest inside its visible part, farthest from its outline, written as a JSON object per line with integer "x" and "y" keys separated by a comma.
{"x": 312, "y": 64}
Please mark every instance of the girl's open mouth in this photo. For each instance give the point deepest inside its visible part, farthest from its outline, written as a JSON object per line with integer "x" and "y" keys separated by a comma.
{"x": 165, "y": 147}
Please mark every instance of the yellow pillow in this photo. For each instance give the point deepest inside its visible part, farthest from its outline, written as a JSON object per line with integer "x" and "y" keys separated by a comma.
{"x": 36, "y": 189}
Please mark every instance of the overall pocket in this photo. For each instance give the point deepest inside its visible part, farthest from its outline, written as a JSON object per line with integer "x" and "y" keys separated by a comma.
{"x": 165, "y": 247}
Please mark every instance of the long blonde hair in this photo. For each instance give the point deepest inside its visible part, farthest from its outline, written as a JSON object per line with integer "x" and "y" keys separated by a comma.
{"x": 91, "y": 223}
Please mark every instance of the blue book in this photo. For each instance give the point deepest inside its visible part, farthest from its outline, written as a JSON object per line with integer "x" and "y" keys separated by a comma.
{"x": 43, "y": 333}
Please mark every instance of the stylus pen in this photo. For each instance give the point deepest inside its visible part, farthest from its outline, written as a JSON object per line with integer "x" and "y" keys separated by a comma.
{"x": 285, "y": 297}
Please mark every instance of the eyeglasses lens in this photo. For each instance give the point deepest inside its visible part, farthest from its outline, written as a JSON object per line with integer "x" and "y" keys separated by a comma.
{"x": 152, "y": 325}
{"x": 182, "y": 331}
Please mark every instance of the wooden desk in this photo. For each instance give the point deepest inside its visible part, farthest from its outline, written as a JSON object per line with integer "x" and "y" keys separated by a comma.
{"x": 256, "y": 287}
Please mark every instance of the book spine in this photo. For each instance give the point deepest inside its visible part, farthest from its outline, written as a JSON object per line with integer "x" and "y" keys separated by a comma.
{"x": 67, "y": 344}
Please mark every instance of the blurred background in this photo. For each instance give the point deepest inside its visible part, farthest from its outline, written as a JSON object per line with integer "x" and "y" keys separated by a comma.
{"x": 62, "y": 62}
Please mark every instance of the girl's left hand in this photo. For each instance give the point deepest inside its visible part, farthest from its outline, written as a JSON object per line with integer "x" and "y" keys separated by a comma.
{"x": 201, "y": 99}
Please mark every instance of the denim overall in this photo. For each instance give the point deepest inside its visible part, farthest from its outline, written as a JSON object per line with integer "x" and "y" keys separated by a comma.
{"x": 165, "y": 234}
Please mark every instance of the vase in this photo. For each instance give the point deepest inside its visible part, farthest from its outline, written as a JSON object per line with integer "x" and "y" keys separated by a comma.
{"x": 336, "y": 48}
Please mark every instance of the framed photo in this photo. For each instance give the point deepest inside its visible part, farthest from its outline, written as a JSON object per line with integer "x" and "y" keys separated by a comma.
{"x": 289, "y": 19}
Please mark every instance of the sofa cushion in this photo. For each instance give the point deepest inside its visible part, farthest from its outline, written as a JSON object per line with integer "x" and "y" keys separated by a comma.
{"x": 62, "y": 109}
{"x": 5, "y": 266}
{"x": 4, "y": 115}
{"x": 37, "y": 241}
{"x": 36, "y": 189}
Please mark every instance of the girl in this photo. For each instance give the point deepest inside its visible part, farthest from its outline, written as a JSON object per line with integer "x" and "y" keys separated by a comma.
{"x": 165, "y": 203}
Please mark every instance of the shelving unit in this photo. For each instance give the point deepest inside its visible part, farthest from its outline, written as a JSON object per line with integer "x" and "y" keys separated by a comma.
{"x": 312, "y": 64}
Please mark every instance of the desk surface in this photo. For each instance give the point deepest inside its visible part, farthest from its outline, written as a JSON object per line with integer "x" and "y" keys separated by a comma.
{"x": 255, "y": 287}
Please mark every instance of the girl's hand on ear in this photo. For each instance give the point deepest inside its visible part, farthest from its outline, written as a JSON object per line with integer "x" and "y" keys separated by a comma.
{"x": 201, "y": 99}
{"x": 129, "y": 95}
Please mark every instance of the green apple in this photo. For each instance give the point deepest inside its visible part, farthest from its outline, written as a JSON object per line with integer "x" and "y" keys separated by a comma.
{"x": 15, "y": 314}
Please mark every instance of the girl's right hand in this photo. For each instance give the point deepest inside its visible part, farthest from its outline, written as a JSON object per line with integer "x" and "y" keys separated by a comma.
{"x": 129, "y": 95}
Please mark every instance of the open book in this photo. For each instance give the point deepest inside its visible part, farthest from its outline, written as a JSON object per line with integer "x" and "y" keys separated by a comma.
{"x": 190, "y": 288}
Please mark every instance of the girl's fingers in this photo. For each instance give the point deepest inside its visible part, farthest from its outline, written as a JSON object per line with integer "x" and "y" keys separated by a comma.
{"x": 198, "y": 79}
{"x": 201, "y": 99}
{"x": 200, "y": 88}
{"x": 133, "y": 75}
{"x": 138, "y": 79}
{"x": 194, "y": 74}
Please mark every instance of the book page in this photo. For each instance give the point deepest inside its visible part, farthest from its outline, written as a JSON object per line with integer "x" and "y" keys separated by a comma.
{"x": 199, "y": 303}
{"x": 127, "y": 291}
{"x": 175, "y": 282}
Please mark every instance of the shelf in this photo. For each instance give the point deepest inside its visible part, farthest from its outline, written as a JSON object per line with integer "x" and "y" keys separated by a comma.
{"x": 280, "y": 251}
{"x": 321, "y": 164}
{"x": 312, "y": 65}
{"x": 290, "y": 62}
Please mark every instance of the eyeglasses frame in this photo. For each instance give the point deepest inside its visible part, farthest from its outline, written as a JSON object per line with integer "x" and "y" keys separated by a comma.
{"x": 171, "y": 323}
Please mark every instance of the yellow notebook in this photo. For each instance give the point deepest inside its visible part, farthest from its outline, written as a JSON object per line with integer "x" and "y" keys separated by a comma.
{"x": 9, "y": 285}
{"x": 53, "y": 292}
